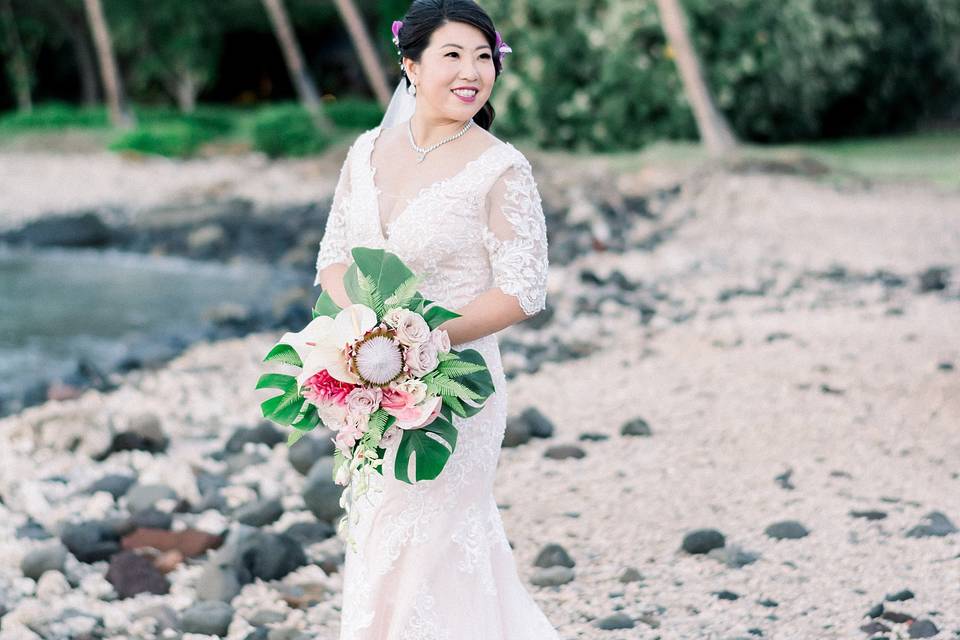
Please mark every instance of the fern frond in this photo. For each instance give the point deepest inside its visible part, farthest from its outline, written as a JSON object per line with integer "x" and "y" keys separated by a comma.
{"x": 440, "y": 384}
{"x": 404, "y": 293}
{"x": 459, "y": 368}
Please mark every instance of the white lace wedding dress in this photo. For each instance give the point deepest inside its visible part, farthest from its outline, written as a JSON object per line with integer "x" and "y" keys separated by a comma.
{"x": 432, "y": 561}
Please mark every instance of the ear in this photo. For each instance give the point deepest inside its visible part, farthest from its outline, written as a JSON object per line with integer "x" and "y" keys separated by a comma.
{"x": 412, "y": 69}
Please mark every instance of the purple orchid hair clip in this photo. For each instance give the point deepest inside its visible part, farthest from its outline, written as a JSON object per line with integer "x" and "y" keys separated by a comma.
{"x": 502, "y": 47}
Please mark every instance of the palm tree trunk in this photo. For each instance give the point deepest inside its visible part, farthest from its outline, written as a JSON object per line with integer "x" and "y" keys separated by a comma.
{"x": 368, "y": 54}
{"x": 299, "y": 74}
{"x": 714, "y": 130}
{"x": 119, "y": 117}
{"x": 16, "y": 58}
{"x": 74, "y": 26}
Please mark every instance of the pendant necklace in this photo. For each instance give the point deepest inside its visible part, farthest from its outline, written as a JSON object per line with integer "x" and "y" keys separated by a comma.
{"x": 421, "y": 152}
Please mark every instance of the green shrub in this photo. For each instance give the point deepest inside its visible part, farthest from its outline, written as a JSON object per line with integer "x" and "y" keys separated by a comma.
{"x": 287, "y": 130}
{"x": 172, "y": 139}
{"x": 55, "y": 115}
{"x": 354, "y": 113}
{"x": 597, "y": 73}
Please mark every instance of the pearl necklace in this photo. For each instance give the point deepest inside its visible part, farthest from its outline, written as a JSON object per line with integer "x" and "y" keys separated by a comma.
{"x": 421, "y": 152}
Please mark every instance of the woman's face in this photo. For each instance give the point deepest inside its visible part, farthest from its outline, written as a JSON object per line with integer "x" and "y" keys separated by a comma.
{"x": 458, "y": 55}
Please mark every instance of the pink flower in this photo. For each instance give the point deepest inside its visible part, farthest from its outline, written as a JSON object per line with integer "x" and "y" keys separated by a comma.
{"x": 502, "y": 47}
{"x": 322, "y": 388}
{"x": 348, "y": 436}
{"x": 395, "y": 400}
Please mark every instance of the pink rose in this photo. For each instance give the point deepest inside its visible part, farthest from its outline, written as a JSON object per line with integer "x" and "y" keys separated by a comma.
{"x": 411, "y": 328}
{"x": 440, "y": 339}
{"x": 422, "y": 358}
{"x": 363, "y": 400}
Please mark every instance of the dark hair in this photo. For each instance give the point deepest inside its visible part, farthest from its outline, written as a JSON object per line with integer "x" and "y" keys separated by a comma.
{"x": 425, "y": 16}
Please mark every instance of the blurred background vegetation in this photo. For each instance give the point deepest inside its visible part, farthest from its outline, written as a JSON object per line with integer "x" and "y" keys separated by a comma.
{"x": 585, "y": 75}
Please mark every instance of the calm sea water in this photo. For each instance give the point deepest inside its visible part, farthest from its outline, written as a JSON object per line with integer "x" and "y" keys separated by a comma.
{"x": 60, "y": 304}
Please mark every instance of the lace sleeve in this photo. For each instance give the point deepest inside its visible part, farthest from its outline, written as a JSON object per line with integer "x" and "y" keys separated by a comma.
{"x": 333, "y": 245}
{"x": 516, "y": 237}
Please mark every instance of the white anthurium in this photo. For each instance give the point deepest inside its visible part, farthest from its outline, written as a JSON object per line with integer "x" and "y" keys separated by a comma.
{"x": 349, "y": 326}
{"x": 303, "y": 341}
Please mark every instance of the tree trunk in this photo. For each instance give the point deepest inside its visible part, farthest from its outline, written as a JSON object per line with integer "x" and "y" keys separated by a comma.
{"x": 112, "y": 85}
{"x": 369, "y": 60}
{"x": 714, "y": 130}
{"x": 187, "y": 90}
{"x": 18, "y": 68}
{"x": 299, "y": 74}
{"x": 85, "y": 66}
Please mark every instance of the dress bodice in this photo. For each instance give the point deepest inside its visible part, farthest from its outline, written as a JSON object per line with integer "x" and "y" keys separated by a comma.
{"x": 481, "y": 227}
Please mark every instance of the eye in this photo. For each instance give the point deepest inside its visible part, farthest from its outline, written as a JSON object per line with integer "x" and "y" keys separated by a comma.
{"x": 452, "y": 53}
{"x": 485, "y": 55}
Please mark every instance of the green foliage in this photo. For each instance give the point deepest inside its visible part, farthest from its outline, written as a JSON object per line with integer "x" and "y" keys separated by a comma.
{"x": 287, "y": 130}
{"x": 597, "y": 74}
{"x": 172, "y": 139}
{"x": 55, "y": 115}
{"x": 354, "y": 113}
{"x": 430, "y": 453}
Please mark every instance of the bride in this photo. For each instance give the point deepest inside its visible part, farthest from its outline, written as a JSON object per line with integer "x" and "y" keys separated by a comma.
{"x": 461, "y": 208}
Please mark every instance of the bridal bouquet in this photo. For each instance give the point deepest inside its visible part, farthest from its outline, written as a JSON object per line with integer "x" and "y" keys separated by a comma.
{"x": 378, "y": 373}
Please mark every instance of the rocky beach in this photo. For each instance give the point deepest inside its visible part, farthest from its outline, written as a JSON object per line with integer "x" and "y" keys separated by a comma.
{"x": 739, "y": 416}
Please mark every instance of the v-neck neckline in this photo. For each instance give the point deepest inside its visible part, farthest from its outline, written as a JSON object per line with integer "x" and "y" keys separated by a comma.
{"x": 385, "y": 232}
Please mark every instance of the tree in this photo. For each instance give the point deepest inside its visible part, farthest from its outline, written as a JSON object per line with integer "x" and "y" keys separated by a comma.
{"x": 170, "y": 43}
{"x": 19, "y": 67}
{"x": 714, "y": 130}
{"x": 112, "y": 85}
{"x": 365, "y": 49}
{"x": 299, "y": 74}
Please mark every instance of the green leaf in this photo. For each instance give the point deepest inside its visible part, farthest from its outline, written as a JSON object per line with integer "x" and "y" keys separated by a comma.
{"x": 429, "y": 455}
{"x": 437, "y": 315}
{"x": 454, "y": 404}
{"x": 385, "y": 269}
{"x": 438, "y": 383}
{"x": 283, "y": 408}
{"x": 284, "y": 353}
{"x": 379, "y": 421}
{"x": 404, "y": 293}
{"x": 325, "y": 306}
{"x": 276, "y": 381}
{"x": 294, "y": 437}
{"x": 309, "y": 418}
{"x": 479, "y": 381}
{"x": 458, "y": 368}
{"x": 443, "y": 356}
{"x": 371, "y": 293}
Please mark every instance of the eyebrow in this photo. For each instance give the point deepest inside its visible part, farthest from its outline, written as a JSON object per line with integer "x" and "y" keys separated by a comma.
{"x": 450, "y": 44}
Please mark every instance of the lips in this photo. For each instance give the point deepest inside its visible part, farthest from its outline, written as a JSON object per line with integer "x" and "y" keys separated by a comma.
{"x": 465, "y": 98}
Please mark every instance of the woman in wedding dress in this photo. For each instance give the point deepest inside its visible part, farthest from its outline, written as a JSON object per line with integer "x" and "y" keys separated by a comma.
{"x": 462, "y": 210}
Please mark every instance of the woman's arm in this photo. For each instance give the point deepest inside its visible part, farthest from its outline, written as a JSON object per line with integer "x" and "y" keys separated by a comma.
{"x": 330, "y": 279}
{"x": 488, "y": 313}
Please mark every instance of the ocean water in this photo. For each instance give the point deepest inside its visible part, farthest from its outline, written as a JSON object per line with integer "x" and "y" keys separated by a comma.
{"x": 58, "y": 305}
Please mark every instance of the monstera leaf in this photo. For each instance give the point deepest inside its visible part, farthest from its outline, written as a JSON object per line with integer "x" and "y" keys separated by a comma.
{"x": 429, "y": 447}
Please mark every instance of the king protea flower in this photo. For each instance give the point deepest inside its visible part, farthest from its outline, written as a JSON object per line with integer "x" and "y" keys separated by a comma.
{"x": 377, "y": 358}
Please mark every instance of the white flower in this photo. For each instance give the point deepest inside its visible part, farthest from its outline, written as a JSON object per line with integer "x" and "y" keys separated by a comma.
{"x": 441, "y": 339}
{"x": 426, "y": 411}
{"x": 364, "y": 400}
{"x": 416, "y": 388}
{"x": 343, "y": 475}
{"x": 422, "y": 358}
{"x": 379, "y": 360}
{"x": 320, "y": 344}
{"x": 334, "y": 416}
{"x": 411, "y": 328}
